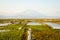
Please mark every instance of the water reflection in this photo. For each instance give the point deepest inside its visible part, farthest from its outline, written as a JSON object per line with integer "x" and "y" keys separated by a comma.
{"x": 4, "y": 24}
{"x": 54, "y": 25}
{"x": 33, "y": 23}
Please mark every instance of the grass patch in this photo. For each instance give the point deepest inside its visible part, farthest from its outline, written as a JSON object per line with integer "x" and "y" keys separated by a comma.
{"x": 39, "y": 27}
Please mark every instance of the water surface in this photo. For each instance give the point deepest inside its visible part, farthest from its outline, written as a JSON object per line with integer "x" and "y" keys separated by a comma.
{"x": 53, "y": 25}
{"x": 4, "y": 24}
{"x": 33, "y": 23}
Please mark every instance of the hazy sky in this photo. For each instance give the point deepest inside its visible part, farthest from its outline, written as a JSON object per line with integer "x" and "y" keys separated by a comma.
{"x": 46, "y": 7}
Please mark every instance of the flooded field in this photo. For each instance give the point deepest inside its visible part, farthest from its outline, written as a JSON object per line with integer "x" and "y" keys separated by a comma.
{"x": 4, "y": 24}
{"x": 34, "y": 23}
{"x": 53, "y": 25}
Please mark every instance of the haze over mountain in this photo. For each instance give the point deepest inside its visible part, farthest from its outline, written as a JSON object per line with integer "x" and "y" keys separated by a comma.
{"x": 29, "y": 8}
{"x": 28, "y": 14}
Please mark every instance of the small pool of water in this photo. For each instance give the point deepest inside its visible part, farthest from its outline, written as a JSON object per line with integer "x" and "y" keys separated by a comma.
{"x": 4, "y": 24}
{"x": 33, "y": 23}
{"x": 53, "y": 25}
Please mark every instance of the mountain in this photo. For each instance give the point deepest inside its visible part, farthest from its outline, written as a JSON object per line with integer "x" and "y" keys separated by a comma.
{"x": 28, "y": 14}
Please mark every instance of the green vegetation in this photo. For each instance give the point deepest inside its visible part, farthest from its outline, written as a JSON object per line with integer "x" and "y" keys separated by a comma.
{"x": 39, "y": 32}
{"x": 39, "y": 27}
{"x": 45, "y": 35}
{"x": 13, "y": 27}
{"x": 13, "y": 34}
